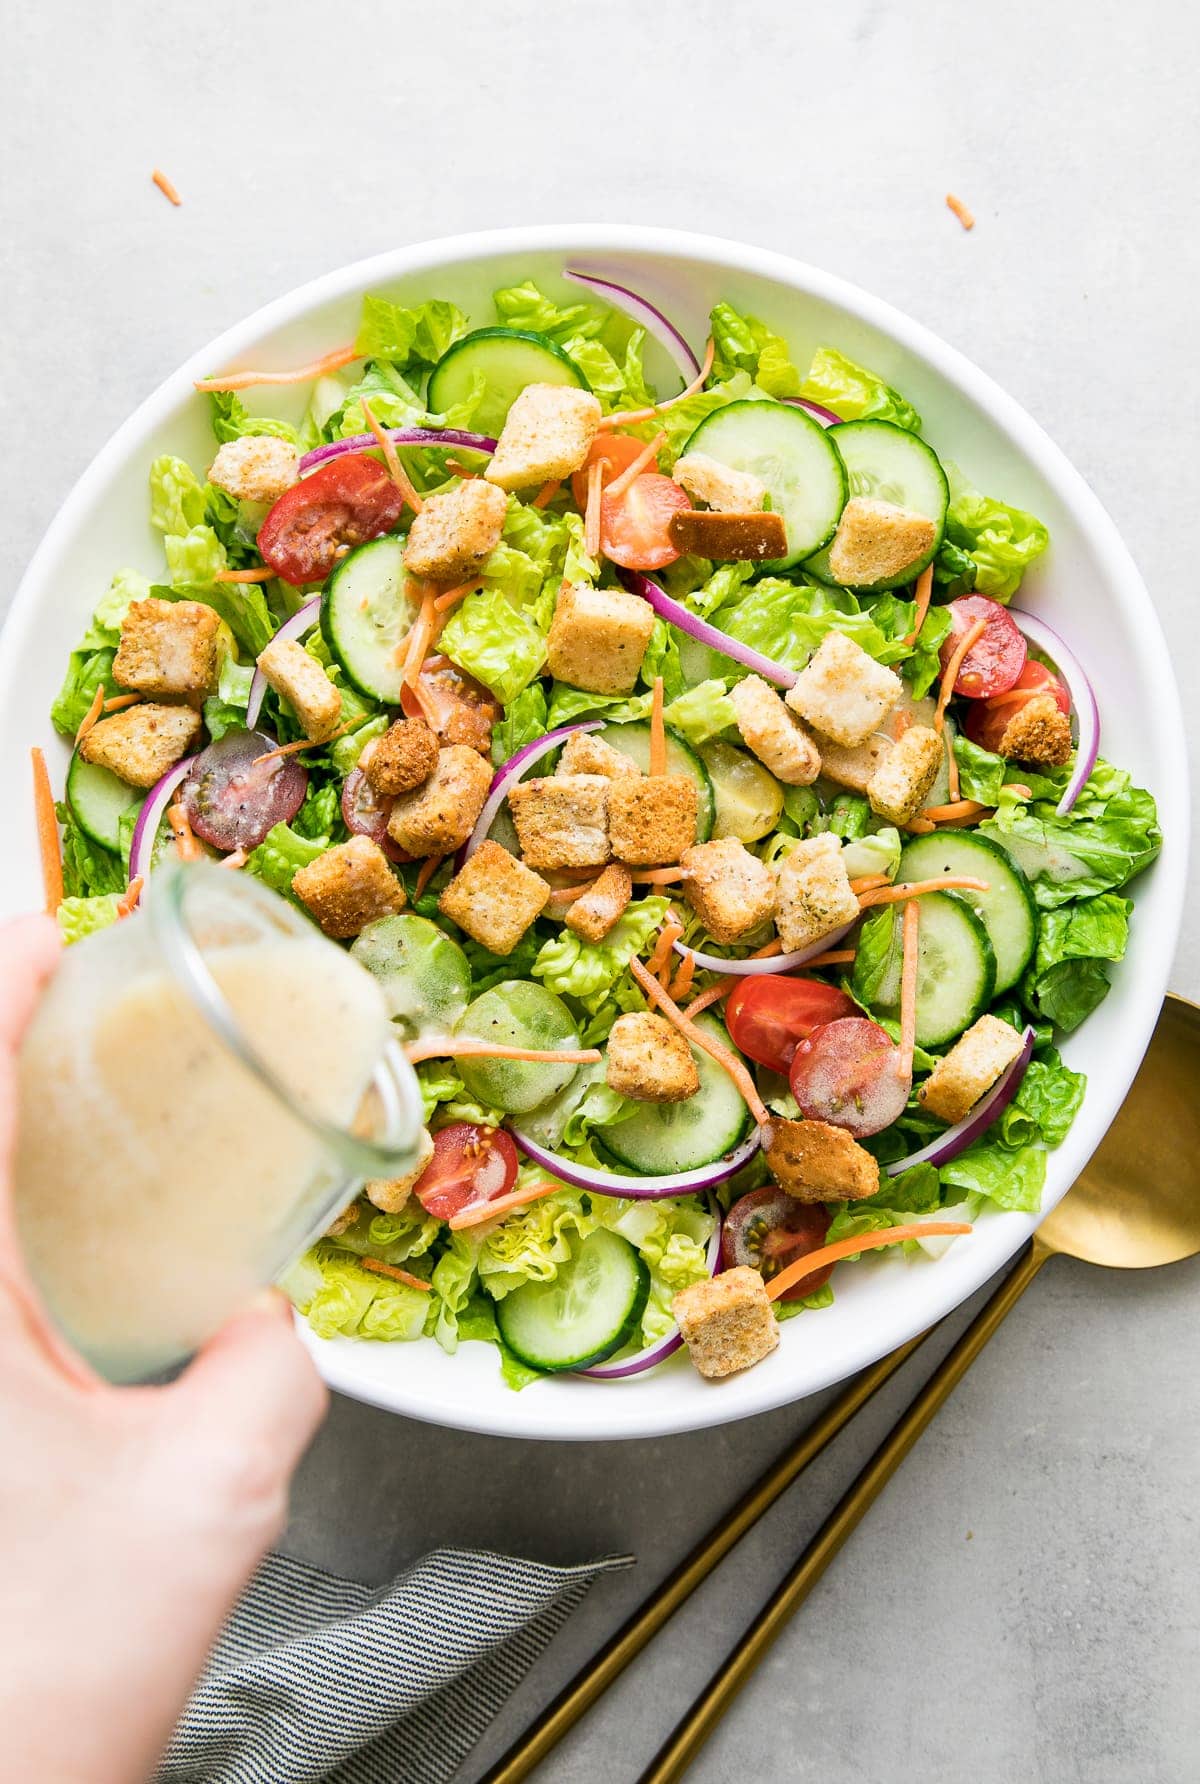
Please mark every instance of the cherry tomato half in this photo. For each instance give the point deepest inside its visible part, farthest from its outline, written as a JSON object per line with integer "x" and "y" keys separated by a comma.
{"x": 349, "y": 500}
{"x": 769, "y": 1229}
{"x": 470, "y": 1164}
{"x": 458, "y": 708}
{"x": 616, "y": 452}
{"x": 987, "y": 720}
{"x": 847, "y": 1073}
{"x": 995, "y": 660}
{"x": 768, "y": 1016}
{"x": 635, "y": 526}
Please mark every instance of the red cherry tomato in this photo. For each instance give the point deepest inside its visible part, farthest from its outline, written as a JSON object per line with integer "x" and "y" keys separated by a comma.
{"x": 349, "y": 500}
{"x": 459, "y": 708}
{"x": 846, "y": 1073}
{"x": 987, "y": 720}
{"x": 769, "y": 1229}
{"x": 767, "y": 1016}
{"x": 995, "y": 660}
{"x": 635, "y": 525}
{"x": 616, "y": 452}
{"x": 470, "y": 1164}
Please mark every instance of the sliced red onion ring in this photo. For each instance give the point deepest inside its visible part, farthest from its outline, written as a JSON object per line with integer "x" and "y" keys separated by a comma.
{"x": 150, "y": 817}
{"x": 676, "y": 614}
{"x": 507, "y": 777}
{"x": 642, "y": 311}
{"x": 1083, "y": 699}
{"x": 956, "y": 1139}
{"x": 663, "y": 1347}
{"x": 773, "y": 963}
{"x": 399, "y": 436}
{"x": 303, "y": 620}
{"x": 643, "y": 1189}
{"x": 826, "y": 417}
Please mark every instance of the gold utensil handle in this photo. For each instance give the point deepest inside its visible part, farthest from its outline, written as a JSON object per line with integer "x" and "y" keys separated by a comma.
{"x": 691, "y": 1732}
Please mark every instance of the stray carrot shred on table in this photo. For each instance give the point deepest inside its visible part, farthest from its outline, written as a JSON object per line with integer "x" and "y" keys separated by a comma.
{"x": 965, "y": 216}
{"x": 166, "y": 186}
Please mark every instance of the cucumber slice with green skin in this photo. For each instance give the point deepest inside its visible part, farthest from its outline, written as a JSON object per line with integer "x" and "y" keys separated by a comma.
{"x": 664, "y": 1137}
{"x": 591, "y": 1307}
{"x": 749, "y": 798}
{"x": 98, "y": 800}
{"x": 633, "y": 740}
{"x": 1007, "y": 909}
{"x": 793, "y": 455}
{"x": 366, "y": 612}
{"x": 517, "y": 1013}
{"x": 506, "y": 360}
{"x": 956, "y": 972}
{"x": 424, "y": 976}
{"x": 890, "y": 464}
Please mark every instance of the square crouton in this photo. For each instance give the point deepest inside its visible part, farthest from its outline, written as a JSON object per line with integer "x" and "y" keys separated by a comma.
{"x": 584, "y": 753}
{"x": 389, "y": 1194}
{"x": 562, "y": 819}
{"x": 877, "y": 541}
{"x": 813, "y": 893}
{"x": 853, "y": 768}
{"x": 256, "y": 468}
{"x": 1038, "y": 734}
{"x": 547, "y": 434}
{"x": 971, "y": 1067}
{"x": 730, "y": 890}
{"x": 454, "y": 532}
{"x": 652, "y": 820}
{"x": 349, "y": 886}
{"x": 817, "y": 1162}
{"x": 648, "y": 1060}
{"x": 598, "y": 637}
{"x": 777, "y": 738}
{"x": 901, "y": 784}
{"x": 303, "y": 683}
{"x": 168, "y": 647}
{"x": 727, "y": 1322}
{"x": 141, "y": 743}
{"x": 494, "y": 898}
{"x": 437, "y": 817}
{"x": 403, "y": 758}
{"x": 707, "y": 481}
{"x": 843, "y": 692}
{"x": 594, "y": 914}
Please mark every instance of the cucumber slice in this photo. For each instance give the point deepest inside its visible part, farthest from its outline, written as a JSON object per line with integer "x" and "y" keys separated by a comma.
{"x": 505, "y": 360}
{"x": 664, "y": 1137}
{"x": 517, "y": 1013}
{"x": 365, "y": 614}
{"x": 592, "y": 1306}
{"x": 1007, "y": 909}
{"x": 956, "y": 972}
{"x": 633, "y": 740}
{"x": 889, "y": 463}
{"x": 749, "y": 798}
{"x": 793, "y": 455}
{"x": 424, "y": 976}
{"x": 99, "y": 800}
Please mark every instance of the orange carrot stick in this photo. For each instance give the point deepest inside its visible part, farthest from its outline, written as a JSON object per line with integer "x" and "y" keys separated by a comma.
{"x": 627, "y": 417}
{"x": 166, "y": 186}
{"x": 869, "y": 882}
{"x": 713, "y": 995}
{"x": 966, "y": 217}
{"x": 971, "y": 636}
{"x": 301, "y": 743}
{"x": 478, "y": 1212}
{"x": 127, "y": 904}
{"x": 547, "y": 493}
{"x": 831, "y": 1254}
{"x": 646, "y": 456}
{"x": 687, "y": 1028}
{"x": 671, "y": 930}
{"x": 908, "y": 988}
{"x": 120, "y": 701}
{"x": 416, "y": 646}
{"x": 262, "y": 574}
{"x": 958, "y": 808}
{"x": 834, "y": 957}
{"x": 591, "y": 517}
{"x": 426, "y": 872}
{"x": 917, "y": 888}
{"x": 395, "y": 1274}
{"x": 444, "y": 602}
{"x": 460, "y": 1047}
{"x": 238, "y": 858}
{"x": 316, "y": 369}
{"x": 924, "y": 596}
{"x": 658, "y": 735}
{"x": 49, "y": 843}
{"x": 91, "y": 715}
{"x": 659, "y": 876}
{"x": 396, "y": 471}
{"x": 681, "y": 984}
{"x": 568, "y": 894}
{"x": 186, "y": 846}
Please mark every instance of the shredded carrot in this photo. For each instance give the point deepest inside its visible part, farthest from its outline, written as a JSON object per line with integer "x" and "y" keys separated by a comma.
{"x": 316, "y": 369}
{"x": 834, "y": 957}
{"x": 460, "y": 470}
{"x": 49, "y": 844}
{"x": 627, "y": 417}
{"x": 1020, "y": 789}
{"x": 668, "y": 935}
{"x": 687, "y": 1028}
{"x": 917, "y": 889}
{"x": 831, "y": 1254}
{"x": 727, "y": 981}
{"x": 952, "y": 781}
{"x": 591, "y": 516}
{"x": 91, "y": 715}
{"x": 900, "y": 724}
{"x": 713, "y": 995}
{"x": 971, "y": 636}
{"x": 568, "y": 894}
{"x": 396, "y": 471}
{"x": 920, "y": 827}
{"x": 658, "y": 735}
{"x": 646, "y": 456}
{"x": 442, "y": 603}
{"x": 119, "y": 702}
{"x": 478, "y": 1212}
{"x": 659, "y": 876}
{"x": 460, "y": 1047}
{"x": 426, "y": 872}
{"x": 420, "y": 637}
{"x": 395, "y": 1274}
{"x": 958, "y": 808}
{"x": 869, "y": 881}
{"x": 186, "y": 846}
{"x": 301, "y": 743}
{"x": 681, "y": 984}
{"x": 1012, "y": 697}
{"x": 924, "y": 596}
{"x": 262, "y": 574}
{"x": 765, "y": 952}
{"x": 965, "y": 217}
{"x": 238, "y": 858}
{"x": 908, "y": 987}
{"x": 547, "y": 493}
{"x": 166, "y": 186}
{"x": 127, "y": 904}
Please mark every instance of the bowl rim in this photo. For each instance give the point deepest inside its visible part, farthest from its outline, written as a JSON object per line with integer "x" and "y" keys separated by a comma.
{"x": 992, "y": 1245}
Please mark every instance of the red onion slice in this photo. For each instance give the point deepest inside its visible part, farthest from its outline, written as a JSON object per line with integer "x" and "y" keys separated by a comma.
{"x": 507, "y": 777}
{"x": 663, "y": 1347}
{"x": 826, "y": 417}
{"x": 676, "y": 614}
{"x": 643, "y": 312}
{"x": 1083, "y": 699}
{"x": 399, "y": 436}
{"x": 643, "y": 1189}
{"x": 773, "y": 963}
{"x": 976, "y": 1121}
{"x": 151, "y": 815}
{"x": 303, "y": 620}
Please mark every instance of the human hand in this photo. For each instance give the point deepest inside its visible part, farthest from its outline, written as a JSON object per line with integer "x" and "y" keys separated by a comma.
{"x": 130, "y": 1518}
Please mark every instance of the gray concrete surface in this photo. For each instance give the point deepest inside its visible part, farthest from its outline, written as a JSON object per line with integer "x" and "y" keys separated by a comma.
{"x": 1022, "y": 1603}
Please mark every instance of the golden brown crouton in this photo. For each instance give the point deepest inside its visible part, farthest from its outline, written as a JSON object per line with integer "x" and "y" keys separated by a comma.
{"x": 729, "y": 536}
{"x": 648, "y": 1060}
{"x": 547, "y": 434}
{"x": 584, "y": 753}
{"x": 708, "y": 481}
{"x": 562, "y": 819}
{"x": 255, "y": 468}
{"x": 403, "y": 758}
{"x": 726, "y": 1321}
{"x": 971, "y": 1067}
{"x": 598, "y": 637}
{"x": 494, "y": 898}
{"x": 168, "y": 647}
{"x": 813, "y": 893}
{"x": 877, "y": 541}
{"x": 437, "y": 817}
{"x": 454, "y": 532}
{"x": 303, "y": 683}
{"x": 652, "y": 820}
{"x": 390, "y": 1194}
{"x": 341, "y": 1223}
{"x": 843, "y": 692}
{"x": 853, "y": 768}
{"x": 777, "y": 738}
{"x": 141, "y": 743}
{"x": 901, "y": 784}
{"x": 593, "y": 915}
{"x": 1038, "y": 734}
{"x": 730, "y": 890}
{"x": 349, "y": 886}
{"x": 817, "y": 1162}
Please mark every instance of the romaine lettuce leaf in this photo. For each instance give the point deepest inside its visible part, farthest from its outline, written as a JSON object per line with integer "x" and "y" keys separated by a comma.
{"x": 1066, "y": 979}
{"x": 1012, "y": 1177}
{"x": 877, "y": 852}
{"x": 744, "y": 344}
{"x": 603, "y": 343}
{"x": 78, "y": 917}
{"x": 587, "y": 970}
{"x": 1001, "y": 541}
{"x": 1046, "y": 1103}
{"x": 339, "y": 1297}
{"x": 568, "y": 704}
{"x": 1110, "y": 835}
{"x": 701, "y": 713}
{"x": 980, "y": 773}
{"x": 522, "y": 721}
{"x": 491, "y": 640}
{"x": 177, "y": 500}
{"x": 230, "y": 420}
{"x": 854, "y": 393}
{"x": 87, "y": 868}
{"x": 281, "y": 854}
{"x": 87, "y": 670}
{"x": 423, "y": 333}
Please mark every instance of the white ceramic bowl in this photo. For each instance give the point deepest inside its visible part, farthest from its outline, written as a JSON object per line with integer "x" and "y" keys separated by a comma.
{"x": 1087, "y": 587}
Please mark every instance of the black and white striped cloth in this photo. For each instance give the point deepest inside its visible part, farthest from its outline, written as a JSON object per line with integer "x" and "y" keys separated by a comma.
{"x": 315, "y": 1677}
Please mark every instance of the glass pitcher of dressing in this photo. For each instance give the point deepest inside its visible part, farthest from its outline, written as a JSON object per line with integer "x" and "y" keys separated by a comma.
{"x": 201, "y": 1090}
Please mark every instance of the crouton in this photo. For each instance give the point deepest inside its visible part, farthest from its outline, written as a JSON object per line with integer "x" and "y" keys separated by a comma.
{"x": 813, "y": 893}
{"x": 593, "y": 915}
{"x": 437, "y": 817}
{"x": 453, "y": 534}
{"x": 876, "y": 541}
{"x": 652, "y": 820}
{"x": 349, "y": 886}
{"x": 730, "y": 890}
{"x": 341, "y": 1223}
{"x": 726, "y": 1321}
{"x": 168, "y": 647}
{"x": 598, "y": 637}
{"x": 403, "y": 758}
{"x": 730, "y": 536}
{"x": 853, "y": 768}
{"x": 390, "y": 1194}
{"x": 547, "y": 434}
{"x": 584, "y": 753}
{"x": 1038, "y": 734}
{"x": 843, "y": 692}
{"x": 141, "y": 743}
{"x": 648, "y": 1060}
{"x": 902, "y": 783}
{"x": 971, "y": 1067}
{"x": 562, "y": 819}
{"x": 817, "y": 1162}
{"x": 777, "y": 738}
{"x": 707, "y": 481}
{"x": 303, "y": 683}
{"x": 494, "y": 898}
{"x": 256, "y": 468}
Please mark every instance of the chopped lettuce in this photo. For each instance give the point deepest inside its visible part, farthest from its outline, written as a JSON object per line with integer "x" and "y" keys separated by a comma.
{"x": 177, "y": 501}
{"x": 78, "y": 917}
{"x": 701, "y": 712}
{"x": 531, "y": 1244}
{"x": 394, "y": 332}
{"x": 1011, "y": 1177}
{"x": 281, "y": 854}
{"x": 672, "y": 1236}
{"x": 587, "y": 970}
{"x": 495, "y": 643}
{"x": 603, "y": 344}
{"x": 1001, "y": 541}
{"x": 1045, "y": 1105}
{"x": 878, "y": 852}
{"x": 340, "y": 1298}
{"x": 855, "y": 393}
{"x": 87, "y": 868}
{"x": 980, "y": 773}
{"x": 1110, "y": 835}
{"x": 1067, "y": 978}
{"x": 568, "y": 704}
{"x": 744, "y": 344}
{"x": 87, "y": 670}
{"x": 523, "y": 721}
{"x": 230, "y": 420}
